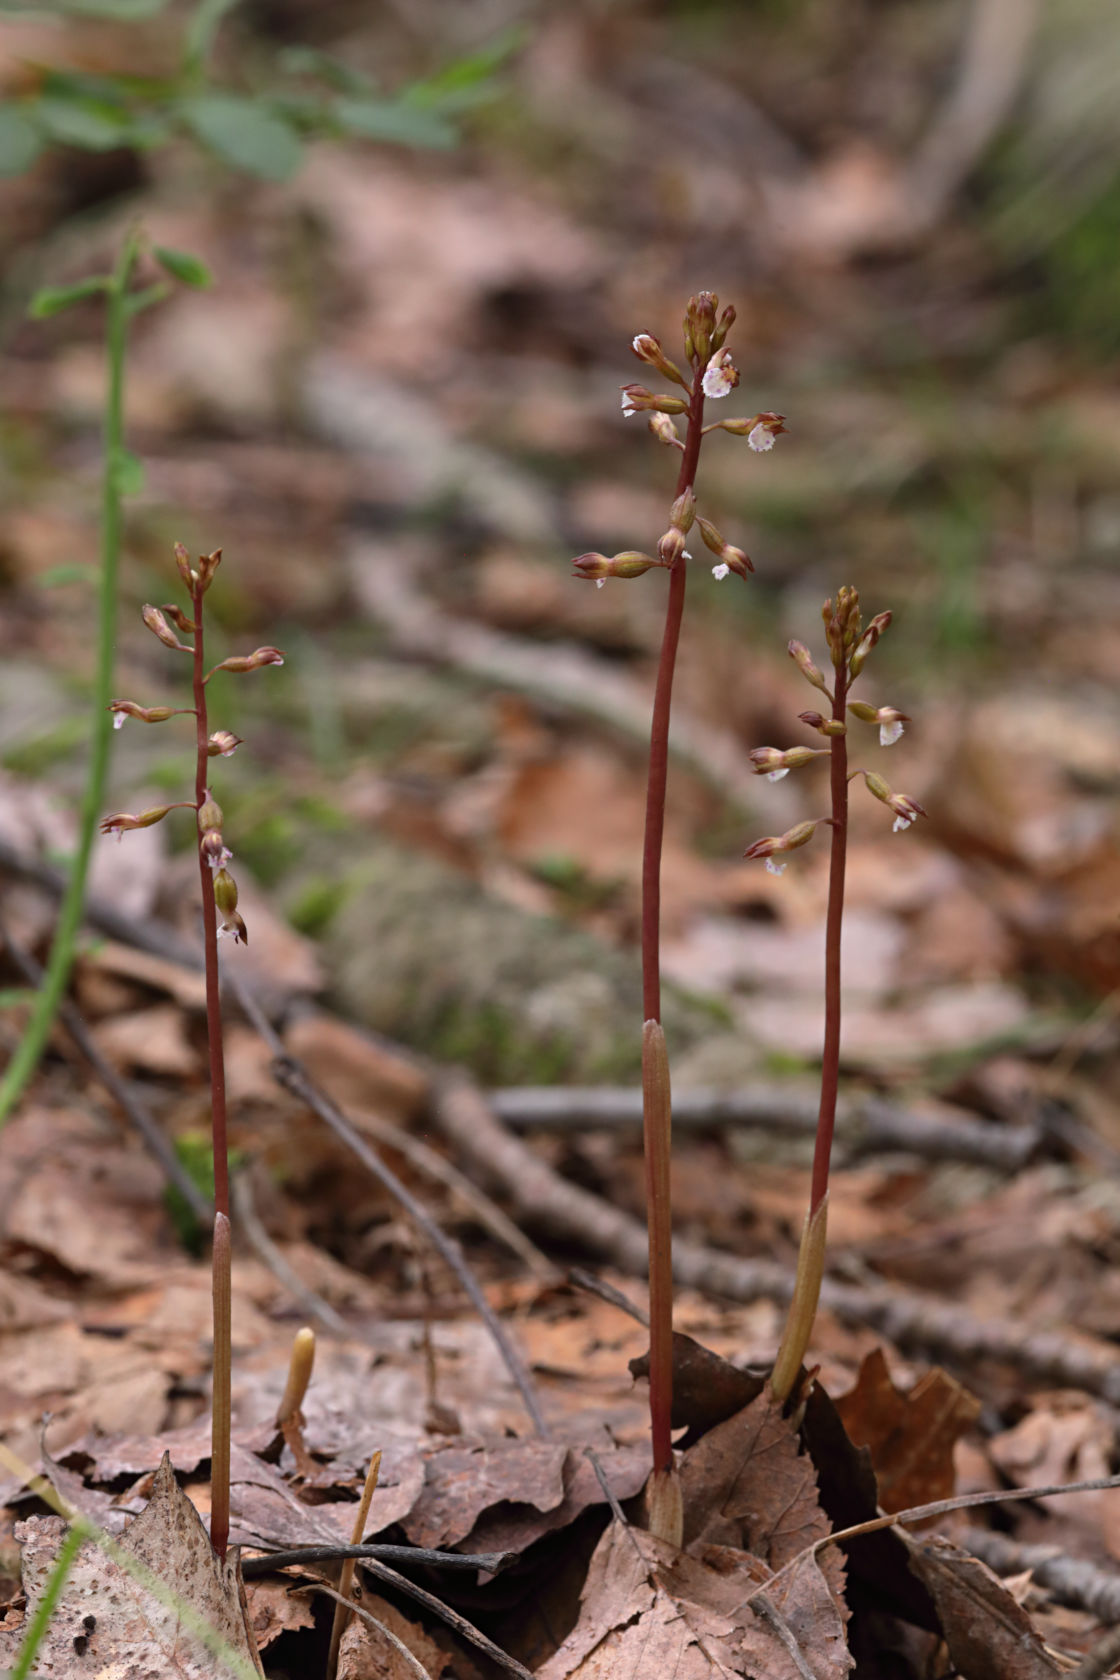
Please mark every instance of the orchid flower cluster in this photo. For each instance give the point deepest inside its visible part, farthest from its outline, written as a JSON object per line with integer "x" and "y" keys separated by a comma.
{"x": 222, "y": 743}
{"x": 714, "y": 376}
{"x": 849, "y": 644}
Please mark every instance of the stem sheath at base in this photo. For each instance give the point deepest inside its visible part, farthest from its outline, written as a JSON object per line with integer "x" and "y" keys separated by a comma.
{"x": 803, "y": 1306}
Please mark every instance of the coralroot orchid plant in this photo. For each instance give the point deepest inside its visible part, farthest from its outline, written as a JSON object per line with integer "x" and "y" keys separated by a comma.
{"x": 711, "y": 374}
{"x": 219, "y": 900}
{"x": 849, "y": 645}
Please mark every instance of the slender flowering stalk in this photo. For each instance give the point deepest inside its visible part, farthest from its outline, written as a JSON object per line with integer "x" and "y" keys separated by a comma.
{"x": 849, "y": 645}
{"x": 219, "y": 917}
{"x": 712, "y": 374}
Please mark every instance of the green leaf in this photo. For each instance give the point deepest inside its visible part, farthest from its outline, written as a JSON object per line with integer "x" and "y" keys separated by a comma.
{"x": 126, "y": 11}
{"x": 20, "y": 141}
{"x": 244, "y": 134}
{"x": 203, "y": 27}
{"x": 309, "y": 61}
{"x": 92, "y": 124}
{"x": 52, "y": 300}
{"x": 136, "y": 302}
{"x": 393, "y": 121}
{"x": 468, "y": 80}
{"x": 127, "y": 471}
{"x": 181, "y": 265}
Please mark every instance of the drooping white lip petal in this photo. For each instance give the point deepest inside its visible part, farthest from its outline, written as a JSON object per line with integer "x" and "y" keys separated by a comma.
{"x": 759, "y": 439}
{"x": 774, "y": 867}
{"x": 889, "y": 733}
{"x": 628, "y": 407}
{"x": 900, "y": 823}
{"x": 118, "y": 719}
{"x": 599, "y": 582}
{"x": 720, "y": 571}
{"x": 776, "y": 775}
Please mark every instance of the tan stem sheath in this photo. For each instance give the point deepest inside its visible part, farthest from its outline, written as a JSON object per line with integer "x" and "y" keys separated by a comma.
{"x": 665, "y": 1506}
{"x": 346, "y": 1578}
{"x": 803, "y": 1306}
{"x": 300, "y": 1365}
{"x": 220, "y": 1427}
{"x": 657, "y": 1110}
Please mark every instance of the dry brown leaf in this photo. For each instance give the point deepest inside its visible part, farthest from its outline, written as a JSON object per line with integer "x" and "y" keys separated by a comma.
{"x": 911, "y": 1436}
{"x": 648, "y": 1610}
{"x": 366, "y": 1654}
{"x": 125, "y": 1628}
{"x": 356, "y": 1070}
{"x": 989, "y": 1636}
{"x": 153, "y": 1039}
{"x": 275, "y": 1606}
{"x": 463, "y": 1481}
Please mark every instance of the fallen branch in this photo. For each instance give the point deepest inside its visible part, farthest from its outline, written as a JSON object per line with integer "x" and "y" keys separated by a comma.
{"x": 549, "y": 1203}
{"x": 865, "y": 1126}
{"x": 1071, "y": 1580}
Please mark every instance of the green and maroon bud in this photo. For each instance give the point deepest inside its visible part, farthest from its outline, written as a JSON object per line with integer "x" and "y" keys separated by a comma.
{"x": 775, "y": 844}
{"x": 159, "y": 627}
{"x": 598, "y": 567}
{"x": 209, "y": 814}
{"x": 871, "y": 635}
{"x": 223, "y": 744}
{"x": 122, "y": 822}
{"x": 891, "y": 722}
{"x": 731, "y": 559}
{"x": 251, "y": 661}
{"x": 648, "y": 349}
{"x": 664, "y": 430}
{"x": 773, "y": 763}
{"x": 723, "y": 327}
{"x": 801, "y": 657}
{"x": 700, "y": 324}
{"x": 181, "y": 620}
{"x": 122, "y": 709}
{"x": 683, "y": 510}
{"x": 183, "y": 561}
{"x": 225, "y": 892}
{"x": 207, "y": 566}
{"x": 670, "y": 546}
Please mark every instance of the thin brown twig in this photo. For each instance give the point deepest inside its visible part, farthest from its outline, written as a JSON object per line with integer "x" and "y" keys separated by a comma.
{"x": 294, "y": 1078}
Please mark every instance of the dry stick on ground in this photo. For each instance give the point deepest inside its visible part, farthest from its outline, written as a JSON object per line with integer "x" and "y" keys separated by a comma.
{"x": 288, "y": 1073}
{"x": 548, "y": 1202}
{"x": 1071, "y": 1580}
{"x": 865, "y": 1126}
{"x": 1100, "y": 1660}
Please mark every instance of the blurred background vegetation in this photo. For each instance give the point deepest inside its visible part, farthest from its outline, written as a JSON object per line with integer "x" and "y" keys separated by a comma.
{"x": 434, "y": 227}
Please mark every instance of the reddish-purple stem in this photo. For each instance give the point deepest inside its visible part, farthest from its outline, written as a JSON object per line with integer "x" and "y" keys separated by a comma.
{"x": 657, "y": 1141}
{"x": 210, "y": 932}
{"x": 830, "y": 1061}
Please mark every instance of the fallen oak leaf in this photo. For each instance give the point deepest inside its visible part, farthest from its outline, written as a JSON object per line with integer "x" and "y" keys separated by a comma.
{"x": 158, "y": 1598}
{"x": 911, "y": 1435}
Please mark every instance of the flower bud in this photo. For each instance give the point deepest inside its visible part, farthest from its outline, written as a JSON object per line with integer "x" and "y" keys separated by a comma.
{"x": 635, "y": 398}
{"x": 251, "y": 661}
{"x": 874, "y": 630}
{"x": 225, "y": 892}
{"x": 700, "y": 324}
{"x": 207, "y": 566}
{"x": 890, "y": 721}
{"x": 731, "y": 559}
{"x": 209, "y": 815}
{"x": 214, "y": 849}
{"x": 799, "y": 653}
{"x": 629, "y": 564}
{"x": 721, "y": 375}
{"x": 183, "y": 561}
{"x": 648, "y": 349}
{"x": 122, "y": 821}
{"x": 906, "y": 810}
{"x": 664, "y": 430}
{"x": 776, "y": 844}
{"x": 723, "y": 326}
{"x": 146, "y": 714}
{"x": 760, "y": 430}
{"x": 222, "y": 744}
{"x": 670, "y": 546}
{"x": 772, "y": 763}
{"x": 683, "y": 510}
{"x": 233, "y": 927}
{"x": 159, "y": 626}
{"x": 181, "y": 620}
